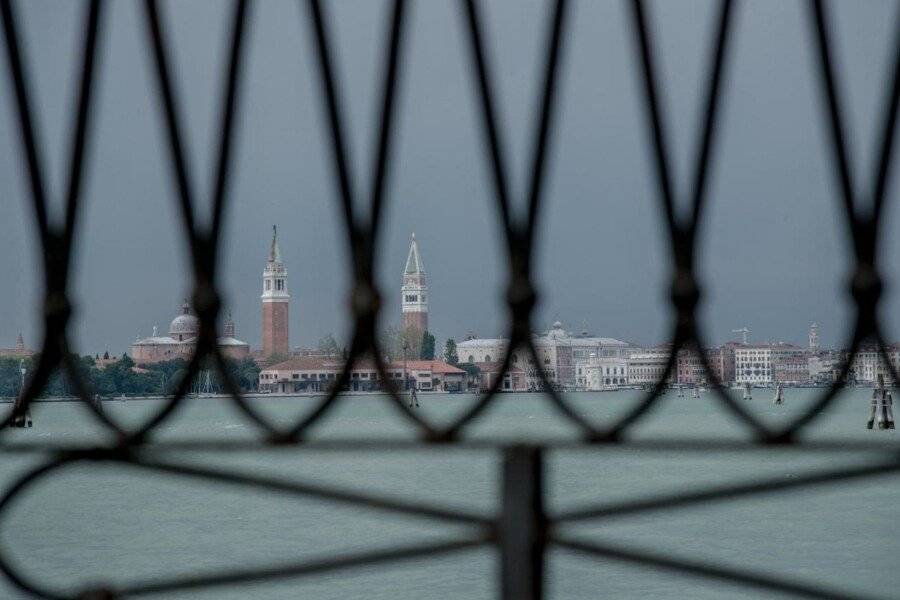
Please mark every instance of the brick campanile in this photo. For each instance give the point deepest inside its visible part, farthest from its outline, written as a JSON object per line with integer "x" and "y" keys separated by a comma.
{"x": 415, "y": 290}
{"x": 275, "y": 302}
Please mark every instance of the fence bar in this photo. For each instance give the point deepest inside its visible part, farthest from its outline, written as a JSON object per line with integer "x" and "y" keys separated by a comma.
{"x": 522, "y": 524}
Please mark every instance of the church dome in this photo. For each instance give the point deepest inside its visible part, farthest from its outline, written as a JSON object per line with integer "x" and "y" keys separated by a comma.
{"x": 185, "y": 325}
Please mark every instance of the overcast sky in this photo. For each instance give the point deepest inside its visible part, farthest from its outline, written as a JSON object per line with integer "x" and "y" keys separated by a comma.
{"x": 773, "y": 249}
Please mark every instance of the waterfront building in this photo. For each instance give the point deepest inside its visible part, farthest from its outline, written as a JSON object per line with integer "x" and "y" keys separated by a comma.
{"x": 487, "y": 355}
{"x": 648, "y": 366}
{"x": 558, "y": 352}
{"x": 689, "y": 367}
{"x": 824, "y": 367}
{"x": 181, "y": 341}
{"x": 320, "y": 374}
{"x": 600, "y": 373}
{"x": 19, "y": 351}
{"x": 869, "y": 363}
{"x": 430, "y": 375}
{"x": 487, "y": 350}
{"x": 275, "y": 302}
{"x": 755, "y": 363}
{"x": 414, "y": 292}
{"x": 792, "y": 370}
{"x": 515, "y": 379}
{"x": 721, "y": 361}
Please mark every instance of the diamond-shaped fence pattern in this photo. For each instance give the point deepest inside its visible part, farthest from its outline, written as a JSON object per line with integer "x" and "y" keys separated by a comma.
{"x": 522, "y": 530}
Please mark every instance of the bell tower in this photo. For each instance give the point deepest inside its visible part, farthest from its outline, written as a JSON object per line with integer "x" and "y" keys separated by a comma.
{"x": 415, "y": 290}
{"x": 275, "y": 302}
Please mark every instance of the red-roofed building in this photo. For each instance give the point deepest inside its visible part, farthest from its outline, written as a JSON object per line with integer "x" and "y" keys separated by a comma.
{"x": 320, "y": 374}
{"x": 430, "y": 375}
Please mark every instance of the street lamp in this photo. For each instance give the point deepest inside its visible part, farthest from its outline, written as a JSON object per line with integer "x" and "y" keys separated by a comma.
{"x": 413, "y": 398}
{"x": 23, "y": 419}
{"x": 405, "y": 381}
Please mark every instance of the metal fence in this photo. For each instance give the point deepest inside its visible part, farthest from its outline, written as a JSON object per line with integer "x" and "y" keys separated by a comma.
{"x": 522, "y": 530}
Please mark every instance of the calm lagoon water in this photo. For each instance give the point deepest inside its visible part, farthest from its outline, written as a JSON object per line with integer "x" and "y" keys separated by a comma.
{"x": 120, "y": 524}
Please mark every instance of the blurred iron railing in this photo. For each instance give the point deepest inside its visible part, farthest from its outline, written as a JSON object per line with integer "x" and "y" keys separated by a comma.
{"x": 522, "y": 530}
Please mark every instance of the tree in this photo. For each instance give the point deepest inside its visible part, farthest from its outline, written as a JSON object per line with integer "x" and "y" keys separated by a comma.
{"x": 426, "y": 351}
{"x": 473, "y": 373}
{"x": 394, "y": 340}
{"x": 470, "y": 368}
{"x": 244, "y": 372}
{"x": 10, "y": 377}
{"x": 388, "y": 343}
{"x": 329, "y": 346}
{"x": 274, "y": 359}
{"x": 175, "y": 380}
{"x": 450, "y": 354}
{"x": 248, "y": 374}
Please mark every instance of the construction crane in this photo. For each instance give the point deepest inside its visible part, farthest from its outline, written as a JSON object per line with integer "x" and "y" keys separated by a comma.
{"x": 744, "y": 332}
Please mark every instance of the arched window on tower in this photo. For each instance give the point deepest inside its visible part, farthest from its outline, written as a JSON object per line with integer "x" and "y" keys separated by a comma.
{"x": 268, "y": 285}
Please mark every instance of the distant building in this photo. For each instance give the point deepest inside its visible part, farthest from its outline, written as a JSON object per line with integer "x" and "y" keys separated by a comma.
{"x": 558, "y": 354}
{"x": 825, "y": 367}
{"x": 485, "y": 350}
{"x": 181, "y": 342}
{"x": 648, "y": 366}
{"x": 721, "y": 361}
{"x": 869, "y": 363}
{"x": 558, "y": 351}
{"x": 20, "y": 351}
{"x": 514, "y": 378}
{"x": 690, "y": 371}
{"x": 414, "y": 292}
{"x": 792, "y": 369}
{"x": 320, "y": 374}
{"x": 755, "y": 363}
{"x": 689, "y": 367}
{"x": 599, "y": 373}
{"x": 275, "y": 303}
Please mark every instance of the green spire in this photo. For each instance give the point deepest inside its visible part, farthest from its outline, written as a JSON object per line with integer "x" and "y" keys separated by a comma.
{"x": 274, "y": 250}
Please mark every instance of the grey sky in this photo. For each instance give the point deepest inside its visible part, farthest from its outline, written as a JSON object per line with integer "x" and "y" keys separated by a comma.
{"x": 773, "y": 247}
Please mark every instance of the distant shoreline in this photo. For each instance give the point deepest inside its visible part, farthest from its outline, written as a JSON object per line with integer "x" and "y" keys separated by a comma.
{"x": 10, "y": 400}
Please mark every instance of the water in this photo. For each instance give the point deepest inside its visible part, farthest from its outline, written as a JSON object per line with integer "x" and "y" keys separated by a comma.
{"x": 119, "y": 524}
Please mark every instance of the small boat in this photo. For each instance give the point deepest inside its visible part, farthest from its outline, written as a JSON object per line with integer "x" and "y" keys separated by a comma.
{"x": 779, "y": 395}
{"x": 695, "y": 392}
